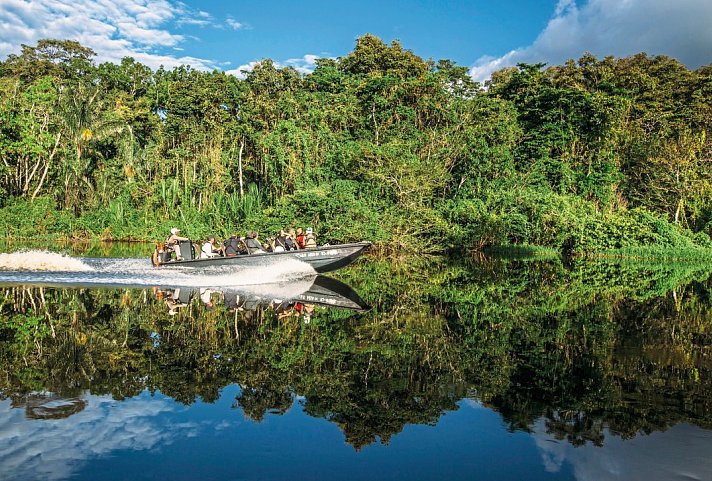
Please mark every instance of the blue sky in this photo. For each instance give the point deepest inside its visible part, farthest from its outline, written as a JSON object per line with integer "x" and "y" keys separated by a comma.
{"x": 459, "y": 30}
{"x": 482, "y": 35}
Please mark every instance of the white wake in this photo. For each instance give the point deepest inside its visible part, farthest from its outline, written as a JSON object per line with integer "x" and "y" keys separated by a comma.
{"x": 39, "y": 260}
{"x": 49, "y": 268}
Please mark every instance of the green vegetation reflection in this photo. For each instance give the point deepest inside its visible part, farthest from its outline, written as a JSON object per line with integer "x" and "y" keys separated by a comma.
{"x": 588, "y": 346}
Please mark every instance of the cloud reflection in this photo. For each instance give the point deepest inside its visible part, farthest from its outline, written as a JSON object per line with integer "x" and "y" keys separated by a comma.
{"x": 52, "y": 449}
{"x": 682, "y": 452}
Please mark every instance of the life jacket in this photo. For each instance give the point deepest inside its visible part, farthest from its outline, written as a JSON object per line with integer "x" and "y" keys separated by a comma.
{"x": 300, "y": 240}
{"x": 253, "y": 245}
{"x": 230, "y": 247}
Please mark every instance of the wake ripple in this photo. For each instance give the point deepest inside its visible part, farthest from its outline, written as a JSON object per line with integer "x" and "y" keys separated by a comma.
{"x": 41, "y": 260}
{"x": 48, "y": 268}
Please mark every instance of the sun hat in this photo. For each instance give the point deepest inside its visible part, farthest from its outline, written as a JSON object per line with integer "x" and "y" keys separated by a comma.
{"x": 309, "y": 230}
{"x": 174, "y": 231}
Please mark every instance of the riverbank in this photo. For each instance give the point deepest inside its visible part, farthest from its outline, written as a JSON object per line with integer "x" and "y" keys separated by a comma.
{"x": 98, "y": 247}
{"x": 568, "y": 230}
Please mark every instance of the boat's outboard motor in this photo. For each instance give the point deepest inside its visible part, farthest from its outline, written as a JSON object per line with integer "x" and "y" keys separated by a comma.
{"x": 186, "y": 250}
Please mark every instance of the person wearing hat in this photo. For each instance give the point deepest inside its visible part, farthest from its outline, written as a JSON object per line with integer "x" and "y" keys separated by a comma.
{"x": 173, "y": 240}
{"x": 309, "y": 239}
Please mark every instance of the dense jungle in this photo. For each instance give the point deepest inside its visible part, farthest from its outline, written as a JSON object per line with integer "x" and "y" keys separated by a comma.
{"x": 591, "y": 156}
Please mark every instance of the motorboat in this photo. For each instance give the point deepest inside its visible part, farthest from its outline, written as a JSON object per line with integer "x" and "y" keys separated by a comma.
{"x": 322, "y": 259}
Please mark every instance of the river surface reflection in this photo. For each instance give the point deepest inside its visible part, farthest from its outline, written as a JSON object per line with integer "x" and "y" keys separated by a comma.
{"x": 421, "y": 369}
{"x": 153, "y": 437}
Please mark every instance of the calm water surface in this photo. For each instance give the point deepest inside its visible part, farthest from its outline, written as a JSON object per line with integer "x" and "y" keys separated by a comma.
{"x": 488, "y": 369}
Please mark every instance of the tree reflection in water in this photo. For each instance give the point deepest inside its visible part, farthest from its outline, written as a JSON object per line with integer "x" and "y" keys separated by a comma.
{"x": 588, "y": 349}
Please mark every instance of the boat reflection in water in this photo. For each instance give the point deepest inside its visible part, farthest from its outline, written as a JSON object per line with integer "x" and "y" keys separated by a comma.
{"x": 297, "y": 297}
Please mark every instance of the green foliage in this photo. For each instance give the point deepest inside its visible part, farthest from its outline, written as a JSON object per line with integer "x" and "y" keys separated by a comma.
{"x": 337, "y": 211}
{"x": 373, "y": 57}
{"x": 379, "y": 144}
{"x": 28, "y": 332}
{"x": 38, "y": 218}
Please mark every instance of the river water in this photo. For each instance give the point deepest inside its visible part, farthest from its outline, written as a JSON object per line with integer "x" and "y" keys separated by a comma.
{"x": 412, "y": 369}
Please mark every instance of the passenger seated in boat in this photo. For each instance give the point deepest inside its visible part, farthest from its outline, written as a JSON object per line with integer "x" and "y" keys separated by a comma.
{"x": 172, "y": 243}
{"x": 292, "y": 240}
{"x": 242, "y": 246}
{"x": 231, "y": 246}
{"x": 208, "y": 250}
{"x": 279, "y": 244}
{"x": 309, "y": 239}
{"x": 157, "y": 256}
{"x": 300, "y": 238}
{"x": 252, "y": 243}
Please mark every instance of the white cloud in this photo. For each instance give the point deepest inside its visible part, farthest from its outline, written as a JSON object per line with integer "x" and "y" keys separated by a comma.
{"x": 680, "y": 29}
{"x": 304, "y": 65}
{"x": 202, "y": 19}
{"x": 234, "y": 24}
{"x": 112, "y": 28}
{"x": 239, "y": 71}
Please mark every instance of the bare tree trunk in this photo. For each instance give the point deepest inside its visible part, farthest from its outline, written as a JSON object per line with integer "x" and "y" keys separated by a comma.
{"x": 30, "y": 176}
{"x": 677, "y": 211}
{"x": 46, "y": 169}
{"x": 239, "y": 167}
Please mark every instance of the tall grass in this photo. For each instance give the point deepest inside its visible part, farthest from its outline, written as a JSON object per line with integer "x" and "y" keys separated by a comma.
{"x": 252, "y": 202}
{"x": 654, "y": 253}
